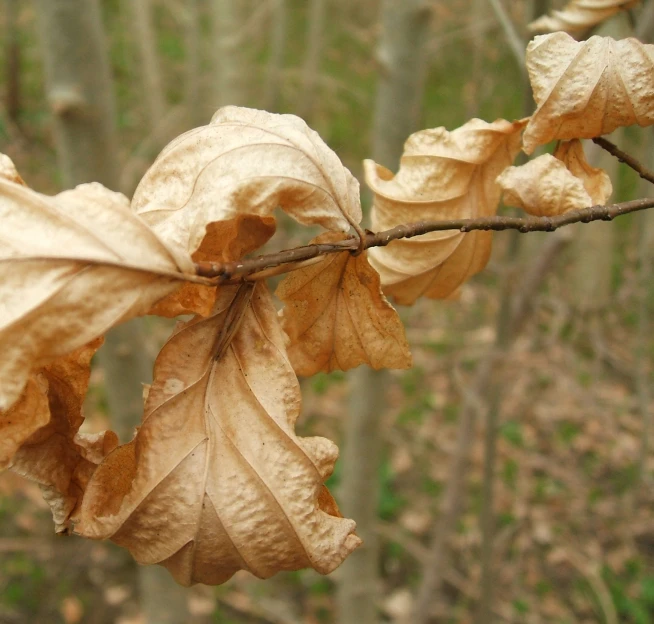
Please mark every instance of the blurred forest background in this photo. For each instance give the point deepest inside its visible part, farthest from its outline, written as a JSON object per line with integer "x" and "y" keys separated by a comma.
{"x": 507, "y": 477}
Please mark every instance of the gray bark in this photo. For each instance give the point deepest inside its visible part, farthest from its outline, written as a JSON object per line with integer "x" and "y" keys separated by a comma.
{"x": 397, "y": 108}
{"x": 12, "y": 60}
{"x": 79, "y": 90}
{"x": 140, "y": 13}
{"x": 402, "y": 63}
{"x": 228, "y": 18}
{"x": 192, "y": 34}
{"x": 313, "y": 56}
{"x": 279, "y": 31}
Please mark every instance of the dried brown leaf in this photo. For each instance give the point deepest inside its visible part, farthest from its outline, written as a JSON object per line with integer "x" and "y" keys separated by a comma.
{"x": 442, "y": 175}
{"x": 584, "y": 89}
{"x": 73, "y": 265}
{"x": 245, "y": 162}
{"x": 337, "y": 317}
{"x": 217, "y": 451}
{"x": 57, "y": 456}
{"x": 580, "y": 15}
{"x": 8, "y": 170}
{"x": 596, "y": 181}
{"x": 27, "y": 415}
{"x": 552, "y": 185}
{"x": 225, "y": 241}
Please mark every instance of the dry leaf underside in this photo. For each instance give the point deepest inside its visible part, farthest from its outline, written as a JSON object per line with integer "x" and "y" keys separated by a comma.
{"x": 217, "y": 451}
{"x": 337, "y": 317}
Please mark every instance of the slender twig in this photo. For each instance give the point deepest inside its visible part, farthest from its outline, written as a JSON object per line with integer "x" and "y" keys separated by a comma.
{"x": 240, "y": 270}
{"x": 625, "y": 158}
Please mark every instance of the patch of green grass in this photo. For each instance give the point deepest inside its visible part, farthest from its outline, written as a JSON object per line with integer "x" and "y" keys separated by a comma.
{"x": 511, "y": 431}
{"x": 567, "y": 431}
{"x": 510, "y": 471}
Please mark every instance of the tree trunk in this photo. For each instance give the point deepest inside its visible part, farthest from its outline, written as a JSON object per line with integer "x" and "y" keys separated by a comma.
{"x": 399, "y": 96}
{"x": 279, "y": 32}
{"x": 192, "y": 38}
{"x": 79, "y": 90}
{"x": 312, "y": 57}
{"x": 145, "y": 39}
{"x": 230, "y": 60}
{"x": 12, "y": 60}
{"x": 402, "y": 63}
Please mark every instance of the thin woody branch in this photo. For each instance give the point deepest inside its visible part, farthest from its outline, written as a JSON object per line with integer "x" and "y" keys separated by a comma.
{"x": 237, "y": 271}
{"x": 625, "y": 158}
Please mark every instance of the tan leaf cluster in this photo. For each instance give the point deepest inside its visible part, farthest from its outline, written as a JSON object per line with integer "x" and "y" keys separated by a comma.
{"x": 442, "y": 175}
{"x": 580, "y": 15}
{"x": 72, "y": 266}
{"x": 54, "y": 454}
{"x": 337, "y": 317}
{"x": 584, "y": 89}
{"x": 552, "y": 185}
{"x": 245, "y": 162}
{"x": 216, "y": 480}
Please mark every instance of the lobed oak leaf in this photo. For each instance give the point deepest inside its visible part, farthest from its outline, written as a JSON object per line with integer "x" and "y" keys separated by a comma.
{"x": 216, "y": 480}
{"x": 337, "y": 317}
{"x": 245, "y": 162}
{"x": 442, "y": 175}
{"x": 584, "y": 89}
{"x": 580, "y": 15}
{"x": 56, "y": 456}
{"x": 552, "y": 185}
{"x": 71, "y": 267}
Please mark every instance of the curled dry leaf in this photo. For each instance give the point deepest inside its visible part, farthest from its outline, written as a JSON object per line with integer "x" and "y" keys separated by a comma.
{"x": 8, "y": 170}
{"x": 245, "y": 162}
{"x": 584, "y": 89}
{"x": 218, "y": 452}
{"x": 552, "y": 185}
{"x": 72, "y": 266}
{"x": 442, "y": 175}
{"x": 580, "y": 15}
{"x": 597, "y": 182}
{"x": 337, "y": 317}
{"x": 225, "y": 241}
{"x": 57, "y": 456}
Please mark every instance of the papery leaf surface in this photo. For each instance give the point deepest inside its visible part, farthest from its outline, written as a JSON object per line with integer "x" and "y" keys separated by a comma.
{"x": 554, "y": 184}
{"x": 71, "y": 267}
{"x": 59, "y": 458}
{"x": 584, "y": 89}
{"x": 442, "y": 175}
{"x": 225, "y": 241}
{"x": 337, "y": 317}
{"x": 596, "y": 181}
{"x": 216, "y": 480}
{"x": 245, "y": 162}
{"x": 580, "y": 15}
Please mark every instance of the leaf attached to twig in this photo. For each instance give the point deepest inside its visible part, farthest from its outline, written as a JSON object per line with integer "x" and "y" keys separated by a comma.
{"x": 584, "y": 89}
{"x": 56, "y": 455}
{"x": 72, "y": 266}
{"x": 218, "y": 452}
{"x": 337, "y": 317}
{"x": 442, "y": 175}
{"x": 552, "y": 185}
{"x": 245, "y": 162}
{"x": 580, "y": 15}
